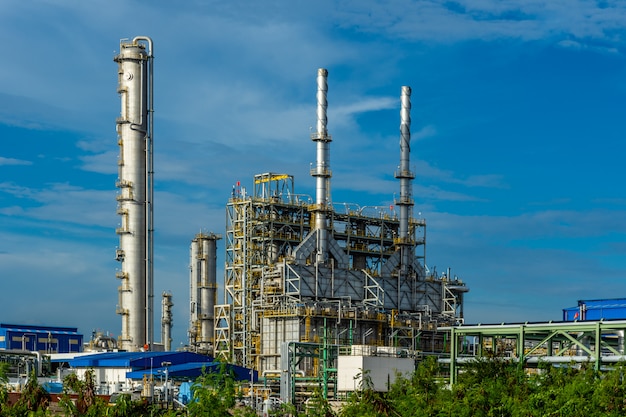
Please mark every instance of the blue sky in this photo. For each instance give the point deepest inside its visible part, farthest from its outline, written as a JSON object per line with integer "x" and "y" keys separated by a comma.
{"x": 517, "y": 139}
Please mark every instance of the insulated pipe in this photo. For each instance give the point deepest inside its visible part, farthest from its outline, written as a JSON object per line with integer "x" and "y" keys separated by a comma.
{"x": 149, "y": 206}
{"x": 322, "y": 168}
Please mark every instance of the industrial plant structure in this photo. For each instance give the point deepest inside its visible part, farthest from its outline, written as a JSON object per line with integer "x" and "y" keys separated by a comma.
{"x": 305, "y": 279}
{"x": 135, "y": 195}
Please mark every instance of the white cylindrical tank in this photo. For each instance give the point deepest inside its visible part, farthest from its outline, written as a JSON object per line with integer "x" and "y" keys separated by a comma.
{"x": 203, "y": 287}
{"x": 134, "y": 128}
{"x": 208, "y": 289}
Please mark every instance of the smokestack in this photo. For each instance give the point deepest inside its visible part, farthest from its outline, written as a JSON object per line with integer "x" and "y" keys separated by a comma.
{"x": 166, "y": 321}
{"x": 322, "y": 171}
{"x": 135, "y": 183}
{"x": 405, "y": 176}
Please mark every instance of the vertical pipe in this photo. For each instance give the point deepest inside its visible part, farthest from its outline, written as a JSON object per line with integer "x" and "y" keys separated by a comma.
{"x": 203, "y": 286}
{"x": 322, "y": 168}
{"x": 149, "y": 204}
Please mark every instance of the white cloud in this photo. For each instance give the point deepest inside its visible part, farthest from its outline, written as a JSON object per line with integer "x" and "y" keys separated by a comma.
{"x": 12, "y": 161}
{"x": 434, "y": 21}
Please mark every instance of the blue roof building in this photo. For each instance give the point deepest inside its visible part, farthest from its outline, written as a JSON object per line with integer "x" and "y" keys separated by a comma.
{"x": 44, "y": 339}
{"x": 607, "y": 309}
{"x": 116, "y": 371}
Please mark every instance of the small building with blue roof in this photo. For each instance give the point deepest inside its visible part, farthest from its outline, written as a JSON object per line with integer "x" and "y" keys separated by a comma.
{"x": 126, "y": 371}
{"x": 599, "y": 309}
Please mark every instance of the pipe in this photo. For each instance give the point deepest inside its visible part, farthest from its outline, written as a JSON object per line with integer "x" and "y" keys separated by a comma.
{"x": 149, "y": 195}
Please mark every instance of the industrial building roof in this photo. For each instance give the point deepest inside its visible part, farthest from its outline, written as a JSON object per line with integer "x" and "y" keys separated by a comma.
{"x": 135, "y": 360}
{"x": 24, "y": 328}
{"x": 607, "y": 302}
{"x": 179, "y": 364}
{"x": 194, "y": 370}
{"x": 609, "y": 309}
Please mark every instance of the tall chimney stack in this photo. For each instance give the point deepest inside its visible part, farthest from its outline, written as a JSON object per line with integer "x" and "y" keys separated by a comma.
{"x": 406, "y": 177}
{"x": 322, "y": 171}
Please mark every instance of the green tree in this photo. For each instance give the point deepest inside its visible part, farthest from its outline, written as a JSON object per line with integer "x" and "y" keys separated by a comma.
{"x": 318, "y": 406}
{"x": 610, "y": 393}
{"x": 366, "y": 401}
{"x": 33, "y": 401}
{"x": 566, "y": 391}
{"x": 491, "y": 386}
{"x": 4, "y": 394}
{"x": 87, "y": 404}
{"x": 125, "y": 406}
{"x": 419, "y": 394}
{"x": 214, "y": 394}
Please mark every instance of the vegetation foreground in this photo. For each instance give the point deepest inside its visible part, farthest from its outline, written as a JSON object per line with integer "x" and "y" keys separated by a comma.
{"x": 484, "y": 388}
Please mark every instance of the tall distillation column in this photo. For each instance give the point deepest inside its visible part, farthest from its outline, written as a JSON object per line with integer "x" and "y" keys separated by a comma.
{"x": 166, "y": 320}
{"x": 405, "y": 176}
{"x": 322, "y": 171}
{"x": 135, "y": 195}
{"x": 203, "y": 289}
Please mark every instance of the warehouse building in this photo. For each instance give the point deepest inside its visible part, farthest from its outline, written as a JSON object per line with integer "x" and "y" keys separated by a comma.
{"x": 43, "y": 339}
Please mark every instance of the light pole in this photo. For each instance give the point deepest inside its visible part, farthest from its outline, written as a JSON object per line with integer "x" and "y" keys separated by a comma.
{"x": 165, "y": 365}
{"x": 252, "y": 401}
